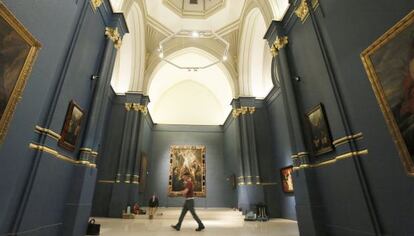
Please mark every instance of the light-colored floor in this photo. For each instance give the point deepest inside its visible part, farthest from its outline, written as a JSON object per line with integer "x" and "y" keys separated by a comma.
{"x": 218, "y": 222}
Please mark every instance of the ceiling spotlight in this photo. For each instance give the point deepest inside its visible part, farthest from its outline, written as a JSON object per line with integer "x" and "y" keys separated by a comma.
{"x": 225, "y": 58}
{"x": 195, "y": 34}
{"x": 161, "y": 55}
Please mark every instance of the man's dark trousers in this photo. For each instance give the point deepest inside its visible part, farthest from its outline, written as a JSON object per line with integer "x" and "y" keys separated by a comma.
{"x": 189, "y": 206}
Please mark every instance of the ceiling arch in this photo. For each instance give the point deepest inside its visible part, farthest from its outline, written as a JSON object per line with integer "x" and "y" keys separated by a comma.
{"x": 254, "y": 57}
{"x": 209, "y": 48}
{"x": 130, "y": 60}
{"x": 181, "y": 97}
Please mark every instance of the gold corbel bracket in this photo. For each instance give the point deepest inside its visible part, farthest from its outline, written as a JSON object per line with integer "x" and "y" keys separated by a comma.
{"x": 128, "y": 106}
{"x": 278, "y": 44}
{"x": 303, "y": 9}
{"x": 136, "y": 107}
{"x": 96, "y": 4}
{"x": 114, "y": 36}
{"x": 243, "y": 111}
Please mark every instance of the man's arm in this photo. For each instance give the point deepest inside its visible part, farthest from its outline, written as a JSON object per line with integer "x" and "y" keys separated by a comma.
{"x": 184, "y": 192}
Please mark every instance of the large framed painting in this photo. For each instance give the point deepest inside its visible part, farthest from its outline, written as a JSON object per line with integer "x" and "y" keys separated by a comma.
{"x": 187, "y": 159}
{"x": 319, "y": 130}
{"x": 72, "y": 127}
{"x": 18, "y": 51}
{"x": 389, "y": 63}
{"x": 286, "y": 179}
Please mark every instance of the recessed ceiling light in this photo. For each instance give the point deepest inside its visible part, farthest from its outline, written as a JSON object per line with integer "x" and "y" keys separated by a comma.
{"x": 195, "y": 34}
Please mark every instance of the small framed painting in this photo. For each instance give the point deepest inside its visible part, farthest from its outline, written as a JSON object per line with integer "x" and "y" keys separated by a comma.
{"x": 71, "y": 127}
{"x": 286, "y": 178}
{"x": 319, "y": 130}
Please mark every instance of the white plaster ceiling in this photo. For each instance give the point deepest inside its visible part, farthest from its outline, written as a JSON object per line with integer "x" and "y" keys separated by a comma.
{"x": 182, "y": 97}
{"x": 168, "y": 18}
{"x": 197, "y": 98}
{"x": 194, "y": 8}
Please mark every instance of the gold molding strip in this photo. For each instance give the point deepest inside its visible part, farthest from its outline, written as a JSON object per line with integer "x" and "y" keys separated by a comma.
{"x": 57, "y": 155}
{"x": 48, "y": 132}
{"x": 257, "y": 183}
{"x": 299, "y": 154}
{"x": 347, "y": 139}
{"x": 106, "y": 181}
{"x": 243, "y": 111}
{"x": 332, "y": 161}
{"x": 89, "y": 150}
{"x": 114, "y": 36}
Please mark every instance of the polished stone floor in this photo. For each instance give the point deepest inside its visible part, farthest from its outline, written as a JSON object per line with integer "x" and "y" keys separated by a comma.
{"x": 218, "y": 222}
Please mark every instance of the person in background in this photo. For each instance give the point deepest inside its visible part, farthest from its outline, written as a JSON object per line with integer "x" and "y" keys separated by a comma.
{"x": 188, "y": 193}
{"x": 153, "y": 206}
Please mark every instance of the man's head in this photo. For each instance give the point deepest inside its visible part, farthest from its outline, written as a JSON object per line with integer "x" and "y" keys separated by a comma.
{"x": 186, "y": 176}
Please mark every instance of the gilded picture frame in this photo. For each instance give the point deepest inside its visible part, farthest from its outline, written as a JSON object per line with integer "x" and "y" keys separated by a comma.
{"x": 18, "y": 52}
{"x": 71, "y": 127}
{"x": 190, "y": 159}
{"x": 389, "y": 64}
{"x": 321, "y": 138}
{"x": 286, "y": 179}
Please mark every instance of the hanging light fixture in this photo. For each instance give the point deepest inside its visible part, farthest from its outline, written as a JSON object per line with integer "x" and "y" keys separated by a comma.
{"x": 194, "y": 34}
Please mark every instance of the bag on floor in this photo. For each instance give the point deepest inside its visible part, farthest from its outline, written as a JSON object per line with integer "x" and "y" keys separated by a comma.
{"x": 93, "y": 229}
{"x": 250, "y": 216}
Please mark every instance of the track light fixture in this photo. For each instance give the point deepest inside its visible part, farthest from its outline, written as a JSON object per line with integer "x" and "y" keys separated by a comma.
{"x": 194, "y": 34}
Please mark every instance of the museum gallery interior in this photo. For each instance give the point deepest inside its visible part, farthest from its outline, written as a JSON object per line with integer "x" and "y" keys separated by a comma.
{"x": 293, "y": 114}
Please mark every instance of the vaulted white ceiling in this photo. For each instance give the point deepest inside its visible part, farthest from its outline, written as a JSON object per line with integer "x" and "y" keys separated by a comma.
{"x": 188, "y": 97}
{"x": 202, "y": 97}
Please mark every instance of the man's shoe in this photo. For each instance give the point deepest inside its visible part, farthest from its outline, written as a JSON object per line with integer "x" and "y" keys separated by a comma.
{"x": 175, "y": 227}
{"x": 200, "y": 228}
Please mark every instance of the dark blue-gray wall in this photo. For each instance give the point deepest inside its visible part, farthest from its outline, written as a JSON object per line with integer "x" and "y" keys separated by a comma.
{"x": 368, "y": 196}
{"x": 37, "y": 189}
{"x": 281, "y": 150}
{"x": 219, "y": 190}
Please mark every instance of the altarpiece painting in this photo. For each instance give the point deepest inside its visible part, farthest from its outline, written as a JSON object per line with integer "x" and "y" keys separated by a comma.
{"x": 187, "y": 159}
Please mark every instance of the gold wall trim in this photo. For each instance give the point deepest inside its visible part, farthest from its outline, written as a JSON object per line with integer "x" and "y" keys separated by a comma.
{"x": 114, "y": 36}
{"x": 243, "y": 111}
{"x": 106, "y": 181}
{"x": 279, "y": 43}
{"x": 332, "y": 161}
{"x": 96, "y": 4}
{"x": 302, "y": 11}
{"x": 48, "y": 132}
{"x": 57, "y": 155}
{"x": 136, "y": 107}
{"x": 347, "y": 139}
{"x": 255, "y": 183}
{"x": 89, "y": 150}
{"x": 116, "y": 182}
{"x": 299, "y": 154}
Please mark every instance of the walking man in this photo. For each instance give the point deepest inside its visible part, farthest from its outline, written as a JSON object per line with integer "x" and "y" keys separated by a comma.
{"x": 188, "y": 193}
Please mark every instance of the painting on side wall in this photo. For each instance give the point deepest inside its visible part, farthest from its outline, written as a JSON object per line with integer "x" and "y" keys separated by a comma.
{"x": 286, "y": 178}
{"x": 389, "y": 63}
{"x": 18, "y": 51}
{"x": 319, "y": 130}
{"x": 187, "y": 159}
{"x": 143, "y": 172}
{"x": 72, "y": 127}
